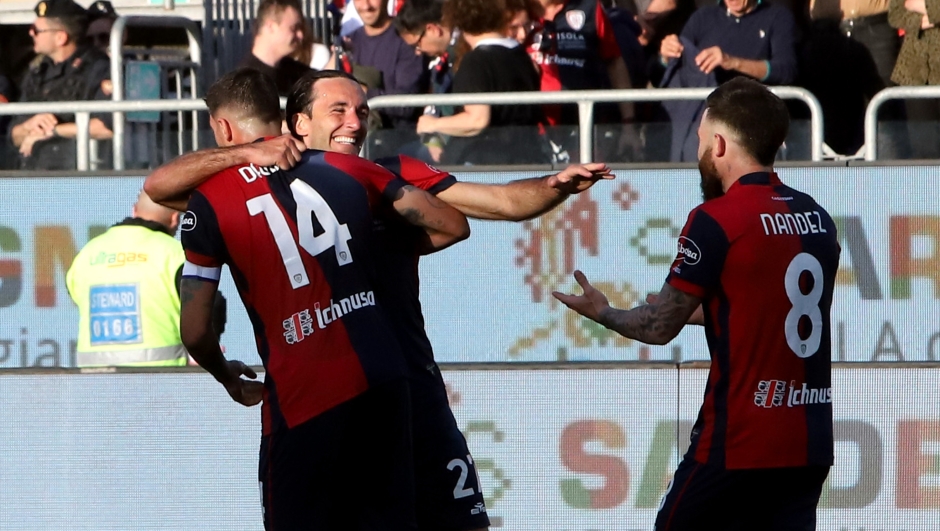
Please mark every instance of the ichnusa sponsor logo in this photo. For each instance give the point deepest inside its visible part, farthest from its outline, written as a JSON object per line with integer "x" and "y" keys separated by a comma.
{"x": 770, "y": 393}
{"x": 302, "y": 325}
{"x": 805, "y": 396}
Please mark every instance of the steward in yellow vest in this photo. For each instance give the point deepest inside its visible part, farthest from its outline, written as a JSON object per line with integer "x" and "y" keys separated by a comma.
{"x": 126, "y": 285}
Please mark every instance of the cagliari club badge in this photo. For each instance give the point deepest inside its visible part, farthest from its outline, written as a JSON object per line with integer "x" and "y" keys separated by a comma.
{"x": 575, "y": 19}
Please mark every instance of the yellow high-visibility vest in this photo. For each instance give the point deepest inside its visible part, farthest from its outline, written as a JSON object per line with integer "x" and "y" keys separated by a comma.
{"x": 124, "y": 283}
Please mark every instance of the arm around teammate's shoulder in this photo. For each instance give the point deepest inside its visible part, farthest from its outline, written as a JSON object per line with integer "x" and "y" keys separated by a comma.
{"x": 443, "y": 224}
{"x": 172, "y": 183}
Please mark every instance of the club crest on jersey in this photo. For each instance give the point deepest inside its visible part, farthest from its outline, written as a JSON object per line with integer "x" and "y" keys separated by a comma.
{"x": 297, "y": 327}
{"x": 575, "y": 19}
{"x": 688, "y": 251}
{"x": 770, "y": 393}
{"x": 188, "y": 221}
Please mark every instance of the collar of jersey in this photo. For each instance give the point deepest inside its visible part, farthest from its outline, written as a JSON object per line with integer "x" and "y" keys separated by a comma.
{"x": 760, "y": 177}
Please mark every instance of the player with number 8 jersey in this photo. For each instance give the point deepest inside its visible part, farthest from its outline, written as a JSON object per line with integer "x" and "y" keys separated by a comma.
{"x": 768, "y": 400}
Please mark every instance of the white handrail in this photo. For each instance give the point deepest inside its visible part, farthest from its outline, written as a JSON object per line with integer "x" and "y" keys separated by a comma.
{"x": 115, "y": 45}
{"x": 585, "y": 99}
{"x": 890, "y": 93}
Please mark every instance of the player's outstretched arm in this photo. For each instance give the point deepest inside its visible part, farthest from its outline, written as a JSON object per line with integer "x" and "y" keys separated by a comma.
{"x": 172, "y": 183}
{"x": 196, "y": 301}
{"x": 656, "y": 324}
{"x": 524, "y": 198}
{"x": 443, "y": 224}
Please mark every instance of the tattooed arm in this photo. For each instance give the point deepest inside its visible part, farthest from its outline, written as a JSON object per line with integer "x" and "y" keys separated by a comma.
{"x": 656, "y": 323}
{"x": 443, "y": 224}
{"x": 196, "y": 302}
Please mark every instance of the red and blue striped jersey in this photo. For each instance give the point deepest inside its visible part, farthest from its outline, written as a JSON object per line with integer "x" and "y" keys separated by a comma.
{"x": 299, "y": 247}
{"x": 763, "y": 258}
{"x": 398, "y": 274}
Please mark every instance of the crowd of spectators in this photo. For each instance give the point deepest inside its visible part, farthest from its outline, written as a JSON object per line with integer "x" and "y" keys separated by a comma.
{"x": 844, "y": 51}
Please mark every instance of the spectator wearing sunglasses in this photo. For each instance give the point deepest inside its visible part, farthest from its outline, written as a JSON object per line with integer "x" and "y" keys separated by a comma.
{"x": 69, "y": 70}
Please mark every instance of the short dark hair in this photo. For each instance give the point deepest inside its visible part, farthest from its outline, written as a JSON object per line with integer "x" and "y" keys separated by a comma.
{"x": 756, "y": 115}
{"x": 246, "y": 90}
{"x": 75, "y": 26}
{"x": 476, "y": 17}
{"x": 272, "y": 8}
{"x": 415, "y": 14}
{"x": 300, "y": 99}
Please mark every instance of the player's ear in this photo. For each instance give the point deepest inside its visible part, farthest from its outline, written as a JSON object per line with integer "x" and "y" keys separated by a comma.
{"x": 225, "y": 127}
{"x": 301, "y": 124}
{"x": 720, "y": 146}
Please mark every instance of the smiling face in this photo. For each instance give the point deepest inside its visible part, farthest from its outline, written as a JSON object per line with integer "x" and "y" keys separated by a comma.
{"x": 373, "y": 13}
{"x": 337, "y": 119}
{"x": 284, "y": 31}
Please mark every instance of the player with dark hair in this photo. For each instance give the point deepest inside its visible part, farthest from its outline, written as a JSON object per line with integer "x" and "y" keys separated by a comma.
{"x": 761, "y": 260}
{"x": 337, "y": 452}
{"x": 328, "y": 111}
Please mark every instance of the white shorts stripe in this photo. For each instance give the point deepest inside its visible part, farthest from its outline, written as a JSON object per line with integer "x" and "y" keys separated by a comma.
{"x": 206, "y": 273}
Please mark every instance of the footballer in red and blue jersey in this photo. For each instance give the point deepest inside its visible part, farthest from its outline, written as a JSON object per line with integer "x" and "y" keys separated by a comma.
{"x": 763, "y": 260}
{"x": 449, "y": 497}
{"x": 299, "y": 247}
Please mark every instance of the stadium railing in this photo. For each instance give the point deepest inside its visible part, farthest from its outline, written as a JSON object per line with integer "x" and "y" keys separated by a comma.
{"x": 891, "y": 93}
{"x": 585, "y": 99}
{"x": 175, "y": 68}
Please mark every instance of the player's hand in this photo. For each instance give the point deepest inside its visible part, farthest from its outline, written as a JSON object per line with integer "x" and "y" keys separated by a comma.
{"x": 579, "y": 177}
{"x": 245, "y": 392}
{"x": 590, "y": 304}
{"x": 671, "y": 47}
{"x": 283, "y": 151}
{"x": 711, "y": 58}
{"x": 697, "y": 317}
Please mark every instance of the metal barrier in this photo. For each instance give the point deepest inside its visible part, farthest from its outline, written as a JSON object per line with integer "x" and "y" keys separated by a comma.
{"x": 891, "y": 93}
{"x": 117, "y": 75}
{"x": 585, "y": 99}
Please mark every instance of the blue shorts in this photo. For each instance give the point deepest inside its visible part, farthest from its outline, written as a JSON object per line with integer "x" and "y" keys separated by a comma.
{"x": 348, "y": 468}
{"x": 449, "y": 497}
{"x": 773, "y": 499}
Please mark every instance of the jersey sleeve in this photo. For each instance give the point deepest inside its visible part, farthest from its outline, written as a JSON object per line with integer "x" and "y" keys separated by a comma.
{"x": 607, "y": 41}
{"x": 418, "y": 173}
{"x": 373, "y": 177}
{"x": 202, "y": 240}
{"x": 700, "y": 257}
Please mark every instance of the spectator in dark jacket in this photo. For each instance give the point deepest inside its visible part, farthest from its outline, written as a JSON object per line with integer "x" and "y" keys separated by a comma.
{"x": 733, "y": 38}
{"x": 278, "y": 33}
